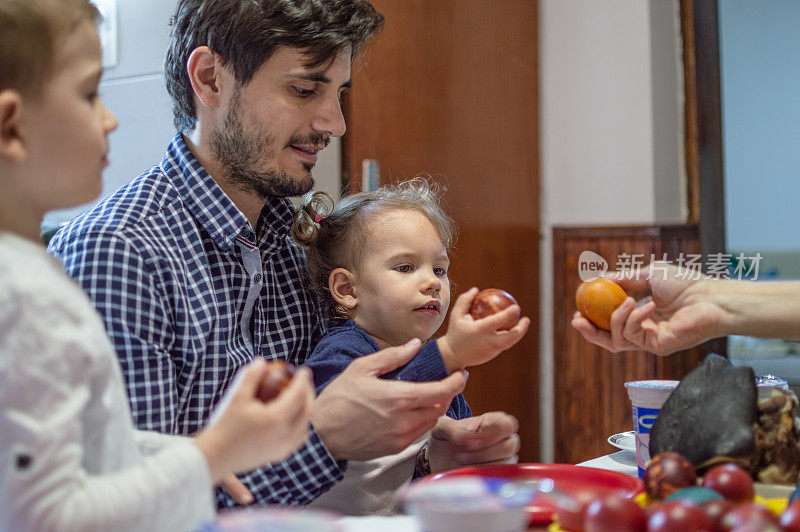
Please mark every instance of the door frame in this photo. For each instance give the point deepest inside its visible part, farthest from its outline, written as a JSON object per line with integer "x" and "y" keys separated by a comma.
{"x": 703, "y": 129}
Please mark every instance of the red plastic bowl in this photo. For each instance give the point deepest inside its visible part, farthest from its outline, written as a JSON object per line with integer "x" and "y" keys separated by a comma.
{"x": 565, "y": 476}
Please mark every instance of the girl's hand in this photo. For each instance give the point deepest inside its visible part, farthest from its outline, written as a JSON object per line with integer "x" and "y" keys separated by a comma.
{"x": 470, "y": 342}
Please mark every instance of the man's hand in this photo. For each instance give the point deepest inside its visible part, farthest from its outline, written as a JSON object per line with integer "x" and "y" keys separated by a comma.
{"x": 679, "y": 314}
{"x": 485, "y": 439}
{"x": 360, "y": 416}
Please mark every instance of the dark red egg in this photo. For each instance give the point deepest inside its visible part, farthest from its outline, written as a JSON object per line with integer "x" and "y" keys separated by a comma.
{"x": 678, "y": 516}
{"x": 790, "y": 518}
{"x": 614, "y": 513}
{"x": 571, "y": 508}
{"x": 491, "y": 301}
{"x": 730, "y": 481}
{"x": 279, "y": 373}
{"x": 715, "y": 510}
{"x": 748, "y": 513}
{"x": 668, "y": 472}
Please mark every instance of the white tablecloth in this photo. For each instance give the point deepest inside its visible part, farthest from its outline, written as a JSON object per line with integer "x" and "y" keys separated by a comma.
{"x": 400, "y": 523}
{"x": 621, "y": 461}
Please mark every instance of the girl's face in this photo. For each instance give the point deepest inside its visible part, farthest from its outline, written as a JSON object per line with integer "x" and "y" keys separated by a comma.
{"x": 401, "y": 290}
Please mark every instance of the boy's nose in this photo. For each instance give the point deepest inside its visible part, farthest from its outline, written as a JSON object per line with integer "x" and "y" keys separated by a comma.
{"x": 110, "y": 121}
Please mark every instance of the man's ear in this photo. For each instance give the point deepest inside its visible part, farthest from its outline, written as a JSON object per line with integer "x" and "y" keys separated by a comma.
{"x": 206, "y": 75}
{"x": 12, "y": 142}
{"x": 340, "y": 283}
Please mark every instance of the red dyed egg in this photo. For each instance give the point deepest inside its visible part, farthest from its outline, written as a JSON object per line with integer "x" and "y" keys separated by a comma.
{"x": 730, "y": 481}
{"x": 491, "y": 301}
{"x": 668, "y": 472}
{"x": 279, "y": 373}
{"x": 614, "y": 513}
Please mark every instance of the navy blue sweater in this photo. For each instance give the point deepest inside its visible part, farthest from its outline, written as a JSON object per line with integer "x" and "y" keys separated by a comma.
{"x": 346, "y": 342}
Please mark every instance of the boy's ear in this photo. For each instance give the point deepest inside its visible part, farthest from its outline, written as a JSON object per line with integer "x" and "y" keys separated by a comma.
{"x": 340, "y": 283}
{"x": 12, "y": 143}
{"x": 206, "y": 74}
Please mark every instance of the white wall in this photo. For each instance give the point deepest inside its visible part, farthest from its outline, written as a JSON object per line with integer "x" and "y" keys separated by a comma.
{"x": 134, "y": 91}
{"x": 611, "y": 111}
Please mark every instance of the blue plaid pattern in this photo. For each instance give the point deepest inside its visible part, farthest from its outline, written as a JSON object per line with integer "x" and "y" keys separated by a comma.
{"x": 190, "y": 293}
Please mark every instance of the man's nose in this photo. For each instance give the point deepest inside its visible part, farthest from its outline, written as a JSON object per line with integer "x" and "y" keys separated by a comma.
{"x": 329, "y": 119}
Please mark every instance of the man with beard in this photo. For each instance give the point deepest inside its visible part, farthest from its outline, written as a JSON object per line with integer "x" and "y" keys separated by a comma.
{"x": 194, "y": 272}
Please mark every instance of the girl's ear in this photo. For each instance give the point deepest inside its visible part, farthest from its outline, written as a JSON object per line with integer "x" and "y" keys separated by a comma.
{"x": 342, "y": 287}
{"x": 12, "y": 142}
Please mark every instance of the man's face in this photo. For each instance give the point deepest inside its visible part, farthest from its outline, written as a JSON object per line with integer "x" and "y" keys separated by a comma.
{"x": 276, "y": 123}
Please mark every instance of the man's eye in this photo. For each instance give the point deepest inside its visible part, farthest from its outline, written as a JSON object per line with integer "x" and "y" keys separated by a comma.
{"x": 441, "y": 272}
{"x": 403, "y": 268}
{"x": 303, "y": 93}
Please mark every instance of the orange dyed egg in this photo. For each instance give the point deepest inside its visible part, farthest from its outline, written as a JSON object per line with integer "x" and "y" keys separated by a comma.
{"x": 597, "y": 299}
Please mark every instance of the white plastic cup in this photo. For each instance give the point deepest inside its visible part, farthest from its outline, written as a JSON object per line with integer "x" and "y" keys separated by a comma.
{"x": 647, "y": 398}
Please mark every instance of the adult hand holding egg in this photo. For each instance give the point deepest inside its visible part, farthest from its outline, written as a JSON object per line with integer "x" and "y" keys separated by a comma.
{"x": 679, "y": 312}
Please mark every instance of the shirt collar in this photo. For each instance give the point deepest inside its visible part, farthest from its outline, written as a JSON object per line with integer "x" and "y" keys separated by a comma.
{"x": 212, "y": 208}
{"x": 275, "y": 219}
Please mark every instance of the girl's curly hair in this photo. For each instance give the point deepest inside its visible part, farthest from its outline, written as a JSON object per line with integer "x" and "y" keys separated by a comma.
{"x": 334, "y": 237}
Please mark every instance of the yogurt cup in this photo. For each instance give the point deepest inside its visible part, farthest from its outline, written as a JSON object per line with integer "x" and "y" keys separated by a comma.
{"x": 647, "y": 398}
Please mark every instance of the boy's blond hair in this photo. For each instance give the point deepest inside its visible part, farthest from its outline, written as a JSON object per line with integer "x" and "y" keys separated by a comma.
{"x": 30, "y": 31}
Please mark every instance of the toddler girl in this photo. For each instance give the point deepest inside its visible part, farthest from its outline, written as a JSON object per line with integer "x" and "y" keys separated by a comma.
{"x": 379, "y": 262}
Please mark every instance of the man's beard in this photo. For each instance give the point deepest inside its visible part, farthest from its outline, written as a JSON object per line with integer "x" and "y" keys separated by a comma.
{"x": 241, "y": 153}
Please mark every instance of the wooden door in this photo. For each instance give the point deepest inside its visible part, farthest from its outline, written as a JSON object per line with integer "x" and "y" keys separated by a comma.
{"x": 590, "y": 398}
{"x": 449, "y": 88}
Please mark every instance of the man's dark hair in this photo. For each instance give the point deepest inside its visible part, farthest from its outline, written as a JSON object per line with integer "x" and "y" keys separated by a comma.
{"x": 245, "y": 33}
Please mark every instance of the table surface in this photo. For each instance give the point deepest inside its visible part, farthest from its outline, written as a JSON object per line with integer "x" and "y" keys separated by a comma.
{"x": 621, "y": 461}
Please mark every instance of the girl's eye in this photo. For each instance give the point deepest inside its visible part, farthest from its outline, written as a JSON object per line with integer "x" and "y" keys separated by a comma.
{"x": 403, "y": 268}
{"x": 92, "y": 96}
{"x": 303, "y": 93}
{"x": 441, "y": 272}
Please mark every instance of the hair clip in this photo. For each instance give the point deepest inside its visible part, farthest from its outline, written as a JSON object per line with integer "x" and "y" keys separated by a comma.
{"x": 317, "y": 218}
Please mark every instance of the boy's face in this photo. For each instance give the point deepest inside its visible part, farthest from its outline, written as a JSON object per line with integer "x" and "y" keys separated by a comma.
{"x": 275, "y": 125}
{"x": 402, "y": 290}
{"x": 67, "y": 127}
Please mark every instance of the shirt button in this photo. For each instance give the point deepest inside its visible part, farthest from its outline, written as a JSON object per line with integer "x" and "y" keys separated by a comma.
{"x": 257, "y": 278}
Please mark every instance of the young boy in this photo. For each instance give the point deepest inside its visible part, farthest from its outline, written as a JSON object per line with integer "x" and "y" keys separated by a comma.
{"x": 69, "y": 455}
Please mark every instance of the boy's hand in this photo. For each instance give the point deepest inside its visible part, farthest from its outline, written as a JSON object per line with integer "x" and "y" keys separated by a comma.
{"x": 470, "y": 342}
{"x": 246, "y": 433}
{"x": 485, "y": 439}
{"x": 238, "y": 491}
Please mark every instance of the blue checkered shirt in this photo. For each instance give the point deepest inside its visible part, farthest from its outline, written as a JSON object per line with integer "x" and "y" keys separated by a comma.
{"x": 189, "y": 294}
